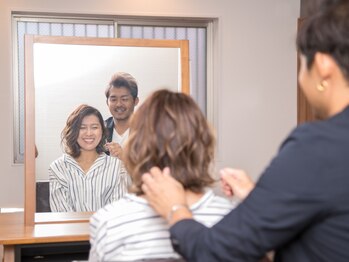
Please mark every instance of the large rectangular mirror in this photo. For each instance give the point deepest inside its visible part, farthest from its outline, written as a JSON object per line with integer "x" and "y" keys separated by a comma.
{"x": 63, "y": 72}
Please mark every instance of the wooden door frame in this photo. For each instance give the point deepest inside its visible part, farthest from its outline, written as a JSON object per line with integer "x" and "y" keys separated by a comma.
{"x": 304, "y": 110}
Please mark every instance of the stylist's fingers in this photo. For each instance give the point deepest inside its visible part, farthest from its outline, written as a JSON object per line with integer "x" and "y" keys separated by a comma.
{"x": 145, "y": 188}
{"x": 162, "y": 191}
{"x": 153, "y": 180}
{"x": 229, "y": 176}
{"x": 162, "y": 177}
{"x": 156, "y": 173}
{"x": 114, "y": 149}
{"x": 150, "y": 187}
{"x": 167, "y": 172}
{"x": 226, "y": 188}
{"x": 239, "y": 182}
{"x": 148, "y": 183}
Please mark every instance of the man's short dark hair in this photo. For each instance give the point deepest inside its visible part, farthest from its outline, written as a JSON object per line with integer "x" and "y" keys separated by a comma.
{"x": 123, "y": 80}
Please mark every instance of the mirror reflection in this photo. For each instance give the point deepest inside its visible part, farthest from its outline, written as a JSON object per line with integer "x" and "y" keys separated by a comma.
{"x": 68, "y": 75}
{"x": 75, "y": 71}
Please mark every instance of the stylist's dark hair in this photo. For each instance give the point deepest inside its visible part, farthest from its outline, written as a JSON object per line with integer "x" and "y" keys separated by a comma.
{"x": 310, "y": 7}
{"x": 169, "y": 130}
{"x": 327, "y": 31}
{"x": 71, "y": 130}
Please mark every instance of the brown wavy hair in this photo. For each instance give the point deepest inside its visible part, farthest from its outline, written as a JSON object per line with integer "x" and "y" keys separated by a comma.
{"x": 71, "y": 130}
{"x": 169, "y": 130}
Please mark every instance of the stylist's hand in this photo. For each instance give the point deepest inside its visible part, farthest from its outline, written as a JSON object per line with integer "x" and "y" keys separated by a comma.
{"x": 164, "y": 192}
{"x": 236, "y": 182}
{"x": 114, "y": 149}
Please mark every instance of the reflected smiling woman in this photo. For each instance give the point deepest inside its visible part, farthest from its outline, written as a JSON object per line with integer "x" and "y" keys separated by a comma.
{"x": 85, "y": 178}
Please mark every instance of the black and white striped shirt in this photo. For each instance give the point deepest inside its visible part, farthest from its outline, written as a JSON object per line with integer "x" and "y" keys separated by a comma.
{"x": 129, "y": 229}
{"x": 71, "y": 189}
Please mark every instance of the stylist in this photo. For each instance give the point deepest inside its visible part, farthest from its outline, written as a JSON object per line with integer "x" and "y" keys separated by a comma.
{"x": 300, "y": 205}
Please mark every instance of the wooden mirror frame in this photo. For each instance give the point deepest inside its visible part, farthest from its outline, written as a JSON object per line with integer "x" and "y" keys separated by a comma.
{"x": 29, "y": 122}
{"x": 304, "y": 110}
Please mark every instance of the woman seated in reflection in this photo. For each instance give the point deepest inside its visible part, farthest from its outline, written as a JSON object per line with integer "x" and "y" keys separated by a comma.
{"x": 85, "y": 178}
{"x": 168, "y": 130}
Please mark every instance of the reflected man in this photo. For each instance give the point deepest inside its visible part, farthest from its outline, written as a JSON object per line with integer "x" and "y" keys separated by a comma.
{"x": 122, "y": 97}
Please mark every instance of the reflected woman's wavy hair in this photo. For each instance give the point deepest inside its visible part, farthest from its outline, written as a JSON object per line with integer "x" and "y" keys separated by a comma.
{"x": 71, "y": 130}
{"x": 169, "y": 130}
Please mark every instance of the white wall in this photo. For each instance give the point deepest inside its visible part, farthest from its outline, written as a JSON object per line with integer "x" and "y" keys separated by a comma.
{"x": 255, "y": 74}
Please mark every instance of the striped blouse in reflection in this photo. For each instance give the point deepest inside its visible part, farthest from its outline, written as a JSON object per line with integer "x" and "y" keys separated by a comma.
{"x": 73, "y": 190}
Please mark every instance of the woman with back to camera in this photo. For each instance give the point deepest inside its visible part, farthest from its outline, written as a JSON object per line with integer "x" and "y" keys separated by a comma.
{"x": 85, "y": 178}
{"x": 168, "y": 129}
{"x": 300, "y": 205}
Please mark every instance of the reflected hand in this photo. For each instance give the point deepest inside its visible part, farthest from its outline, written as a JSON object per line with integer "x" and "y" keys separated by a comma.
{"x": 163, "y": 192}
{"x": 114, "y": 149}
{"x": 236, "y": 182}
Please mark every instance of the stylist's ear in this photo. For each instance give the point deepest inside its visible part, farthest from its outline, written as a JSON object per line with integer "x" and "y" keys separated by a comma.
{"x": 324, "y": 66}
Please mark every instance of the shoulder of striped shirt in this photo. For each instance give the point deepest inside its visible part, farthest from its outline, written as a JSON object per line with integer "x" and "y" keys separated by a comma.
{"x": 66, "y": 159}
{"x": 129, "y": 204}
{"x": 112, "y": 159}
{"x": 118, "y": 208}
{"x": 210, "y": 197}
{"x": 59, "y": 160}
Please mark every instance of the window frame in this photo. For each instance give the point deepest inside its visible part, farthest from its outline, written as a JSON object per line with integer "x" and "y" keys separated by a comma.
{"x": 208, "y": 23}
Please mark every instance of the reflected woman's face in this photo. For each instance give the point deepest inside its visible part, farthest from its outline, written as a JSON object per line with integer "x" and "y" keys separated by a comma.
{"x": 90, "y": 133}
